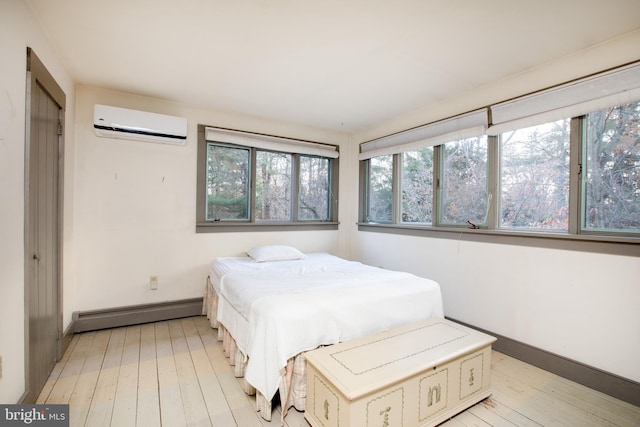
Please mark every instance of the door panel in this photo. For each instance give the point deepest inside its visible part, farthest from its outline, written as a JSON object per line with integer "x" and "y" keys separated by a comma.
{"x": 43, "y": 219}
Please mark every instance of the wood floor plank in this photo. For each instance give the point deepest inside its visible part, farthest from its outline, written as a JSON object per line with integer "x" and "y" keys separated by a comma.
{"x": 513, "y": 394}
{"x": 172, "y": 411}
{"x": 126, "y": 399}
{"x": 80, "y": 400}
{"x": 454, "y": 422}
{"x": 243, "y": 412}
{"x": 295, "y": 418}
{"x": 101, "y": 407}
{"x": 214, "y": 398}
{"x": 241, "y": 406}
{"x": 66, "y": 382}
{"x": 597, "y": 405}
{"x": 56, "y": 372}
{"x": 195, "y": 408}
{"x": 213, "y": 347}
{"x": 148, "y": 405}
{"x": 541, "y": 406}
{"x": 497, "y": 413}
{"x": 468, "y": 419}
{"x": 175, "y": 374}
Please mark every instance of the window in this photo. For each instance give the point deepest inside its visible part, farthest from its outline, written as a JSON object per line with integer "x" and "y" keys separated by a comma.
{"x": 273, "y": 186}
{"x": 611, "y": 170}
{"x": 464, "y": 182}
{"x": 417, "y": 186}
{"x": 314, "y": 188}
{"x": 250, "y": 180}
{"x": 227, "y": 183}
{"x": 562, "y": 164}
{"x": 534, "y": 177}
{"x": 380, "y": 189}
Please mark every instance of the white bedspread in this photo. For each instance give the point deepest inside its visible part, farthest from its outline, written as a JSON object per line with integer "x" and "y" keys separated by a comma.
{"x": 276, "y": 310}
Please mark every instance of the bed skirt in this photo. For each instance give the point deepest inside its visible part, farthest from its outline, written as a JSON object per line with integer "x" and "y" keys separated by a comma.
{"x": 292, "y": 387}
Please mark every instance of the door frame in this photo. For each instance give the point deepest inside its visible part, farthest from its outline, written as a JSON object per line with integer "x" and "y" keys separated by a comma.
{"x": 37, "y": 73}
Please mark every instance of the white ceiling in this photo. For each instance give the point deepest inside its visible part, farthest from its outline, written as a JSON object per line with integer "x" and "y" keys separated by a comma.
{"x": 335, "y": 64}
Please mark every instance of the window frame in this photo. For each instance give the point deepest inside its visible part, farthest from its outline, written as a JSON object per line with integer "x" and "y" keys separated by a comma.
{"x": 439, "y": 157}
{"x": 394, "y": 192}
{"x": 580, "y": 149}
{"x": 248, "y": 202}
{"x": 210, "y": 226}
{"x": 569, "y": 171}
{"x": 574, "y": 238}
{"x": 297, "y": 187}
{"x": 434, "y": 186}
{"x": 293, "y": 186}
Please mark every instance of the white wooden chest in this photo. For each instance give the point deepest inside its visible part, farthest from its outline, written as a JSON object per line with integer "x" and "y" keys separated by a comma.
{"x": 419, "y": 374}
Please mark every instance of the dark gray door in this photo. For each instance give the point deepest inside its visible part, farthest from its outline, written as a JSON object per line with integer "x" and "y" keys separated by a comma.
{"x": 43, "y": 226}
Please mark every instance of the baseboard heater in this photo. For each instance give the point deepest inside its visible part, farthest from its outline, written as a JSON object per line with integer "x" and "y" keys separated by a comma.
{"x": 135, "y": 314}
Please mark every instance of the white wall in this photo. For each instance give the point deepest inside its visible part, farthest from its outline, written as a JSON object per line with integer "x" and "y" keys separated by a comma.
{"x": 135, "y": 207}
{"x": 601, "y": 57}
{"x": 583, "y": 306}
{"x": 18, "y": 30}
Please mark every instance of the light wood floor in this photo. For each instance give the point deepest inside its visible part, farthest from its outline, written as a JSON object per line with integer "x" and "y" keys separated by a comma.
{"x": 175, "y": 374}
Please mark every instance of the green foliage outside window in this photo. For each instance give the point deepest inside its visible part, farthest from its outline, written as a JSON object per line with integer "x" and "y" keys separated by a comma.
{"x": 227, "y": 183}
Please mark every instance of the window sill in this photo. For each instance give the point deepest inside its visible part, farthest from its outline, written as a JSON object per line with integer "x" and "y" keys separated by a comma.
{"x": 615, "y": 245}
{"x": 237, "y": 226}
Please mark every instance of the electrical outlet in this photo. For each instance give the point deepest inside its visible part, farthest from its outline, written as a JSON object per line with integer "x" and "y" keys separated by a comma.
{"x": 153, "y": 282}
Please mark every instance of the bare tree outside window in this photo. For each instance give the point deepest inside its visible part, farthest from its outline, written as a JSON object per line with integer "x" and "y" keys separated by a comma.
{"x": 574, "y": 179}
{"x": 464, "y": 181}
{"x": 535, "y": 177}
{"x": 611, "y": 177}
{"x": 417, "y": 186}
{"x": 273, "y": 186}
{"x": 313, "y": 200}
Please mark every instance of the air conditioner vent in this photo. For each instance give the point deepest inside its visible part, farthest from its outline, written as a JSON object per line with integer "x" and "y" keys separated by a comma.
{"x": 114, "y": 122}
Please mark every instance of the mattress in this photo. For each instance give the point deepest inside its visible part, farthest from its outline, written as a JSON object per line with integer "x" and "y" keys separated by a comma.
{"x": 275, "y": 310}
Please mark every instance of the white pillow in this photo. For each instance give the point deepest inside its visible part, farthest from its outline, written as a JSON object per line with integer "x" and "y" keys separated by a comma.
{"x": 275, "y": 253}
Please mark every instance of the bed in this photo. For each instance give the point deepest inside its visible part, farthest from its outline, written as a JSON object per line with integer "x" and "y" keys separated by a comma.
{"x": 275, "y": 304}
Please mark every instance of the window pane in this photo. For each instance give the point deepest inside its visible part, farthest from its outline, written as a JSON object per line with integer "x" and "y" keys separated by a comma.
{"x": 313, "y": 200}
{"x": 611, "y": 177}
{"x": 464, "y": 181}
{"x": 417, "y": 186}
{"x": 227, "y": 183}
{"x": 380, "y": 189}
{"x": 535, "y": 177}
{"x": 273, "y": 186}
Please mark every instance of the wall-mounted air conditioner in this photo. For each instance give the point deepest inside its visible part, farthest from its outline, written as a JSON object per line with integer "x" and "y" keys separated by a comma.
{"x": 114, "y": 122}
